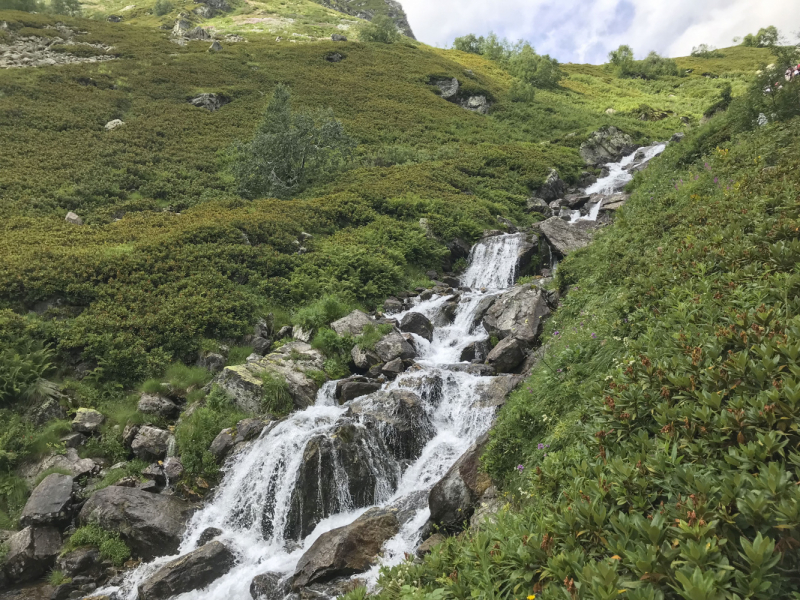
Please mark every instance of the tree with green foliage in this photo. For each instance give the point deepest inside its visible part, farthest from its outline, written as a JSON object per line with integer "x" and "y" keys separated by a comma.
{"x": 766, "y": 36}
{"x": 535, "y": 70}
{"x": 621, "y": 59}
{"x": 23, "y": 5}
{"x": 70, "y": 8}
{"x": 469, "y": 43}
{"x": 163, "y": 7}
{"x": 622, "y": 62}
{"x": 289, "y": 151}
{"x": 381, "y": 29}
{"x": 706, "y": 51}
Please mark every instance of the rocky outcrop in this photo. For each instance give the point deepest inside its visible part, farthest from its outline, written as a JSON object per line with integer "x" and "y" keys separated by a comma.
{"x": 190, "y": 572}
{"x": 448, "y": 88}
{"x": 565, "y": 237}
{"x": 290, "y": 363}
{"x": 269, "y": 586}
{"x": 392, "y": 8}
{"x": 31, "y": 553}
{"x": 419, "y": 324}
{"x": 427, "y": 546}
{"x": 606, "y": 145}
{"x": 392, "y": 346}
{"x": 353, "y": 324}
{"x": 494, "y": 392}
{"x": 80, "y": 561}
{"x": 87, "y": 420}
{"x": 452, "y": 500}
{"x": 151, "y": 524}
{"x": 553, "y": 187}
{"x": 508, "y": 354}
{"x": 347, "y": 550}
{"x": 151, "y": 443}
{"x": 154, "y": 404}
{"x": 364, "y": 359}
{"x": 517, "y": 313}
{"x": 355, "y": 387}
{"x": 50, "y": 502}
{"x": 211, "y": 102}
{"x": 69, "y": 462}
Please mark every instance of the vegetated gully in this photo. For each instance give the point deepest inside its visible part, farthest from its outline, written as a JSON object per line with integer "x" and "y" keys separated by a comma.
{"x": 252, "y": 504}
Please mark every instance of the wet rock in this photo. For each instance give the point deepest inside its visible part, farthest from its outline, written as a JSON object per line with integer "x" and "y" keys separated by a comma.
{"x": 151, "y": 524}
{"x": 538, "y": 205}
{"x": 50, "y": 502}
{"x": 478, "y": 370}
{"x": 173, "y": 469}
{"x": 517, "y": 312}
{"x": 393, "y": 368}
{"x": 606, "y": 145}
{"x": 419, "y": 324}
{"x": 223, "y": 444}
{"x": 494, "y": 392}
{"x": 565, "y": 237}
{"x": 79, "y": 562}
{"x": 586, "y": 179}
{"x": 452, "y": 500}
{"x": 392, "y": 305}
{"x": 347, "y": 550}
{"x": 553, "y": 187}
{"x": 87, "y": 420}
{"x": 528, "y": 254}
{"x": 208, "y": 534}
{"x": 154, "y": 472}
{"x": 151, "y": 443}
{"x": 31, "y": 553}
{"x": 352, "y": 389}
{"x": 393, "y": 346}
{"x": 210, "y": 102}
{"x": 475, "y": 351}
{"x": 290, "y": 363}
{"x": 153, "y": 404}
{"x": 248, "y": 429}
{"x": 353, "y": 324}
{"x": 190, "y": 572}
{"x": 453, "y": 282}
{"x": 427, "y": 546}
{"x": 270, "y": 586}
{"x": 508, "y": 354}
{"x": 458, "y": 249}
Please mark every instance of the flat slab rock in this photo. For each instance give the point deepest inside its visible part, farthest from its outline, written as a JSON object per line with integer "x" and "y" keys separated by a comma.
{"x": 50, "y": 501}
{"x": 190, "y": 572}
{"x": 567, "y": 237}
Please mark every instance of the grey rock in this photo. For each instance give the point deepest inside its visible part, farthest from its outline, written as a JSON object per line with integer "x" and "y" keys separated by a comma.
{"x": 248, "y": 429}
{"x": 262, "y": 346}
{"x": 173, "y": 469}
{"x": 475, "y": 351}
{"x": 393, "y": 368}
{"x": 539, "y": 206}
{"x": 347, "y": 550}
{"x": 50, "y": 502}
{"x": 419, "y": 324}
{"x": 114, "y": 18}
{"x": 151, "y": 443}
{"x": 337, "y": 37}
{"x": 182, "y": 27}
{"x": 208, "y": 534}
{"x": 198, "y": 33}
{"x": 87, "y": 420}
{"x": 448, "y": 88}
{"x": 129, "y": 434}
{"x": 110, "y": 126}
{"x": 586, "y": 179}
{"x": 350, "y": 390}
{"x": 223, "y": 443}
{"x": 210, "y": 102}
{"x": 212, "y": 362}
{"x": 517, "y": 312}
{"x": 364, "y": 359}
{"x": 31, "y": 553}
{"x": 215, "y": 46}
{"x": 478, "y": 104}
{"x": 302, "y": 335}
{"x": 190, "y": 572}
{"x": 73, "y": 440}
{"x": 677, "y": 137}
{"x": 606, "y": 145}
{"x": 285, "y": 332}
{"x": 334, "y": 57}
{"x": 151, "y": 524}
{"x": 392, "y": 346}
{"x": 353, "y": 324}
{"x": 269, "y": 586}
{"x": 566, "y": 237}
{"x": 553, "y": 187}
{"x": 508, "y": 354}
{"x": 494, "y": 391}
{"x": 154, "y": 404}
{"x": 80, "y": 561}
{"x": 45, "y": 411}
{"x": 69, "y": 461}
{"x": 392, "y": 305}
{"x": 452, "y": 500}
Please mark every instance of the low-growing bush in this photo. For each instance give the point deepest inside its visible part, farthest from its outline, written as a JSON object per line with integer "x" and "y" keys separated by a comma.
{"x": 277, "y": 400}
{"x": 381, "y": 29}
{"x": 109, "y": 544}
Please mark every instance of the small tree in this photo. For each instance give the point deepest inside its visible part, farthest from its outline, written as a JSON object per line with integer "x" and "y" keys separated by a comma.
{"x": 766, "y": 36}
{"x": 533, "y": 69}
{"x": 469, "y": 43}
{"x": 706, "y": 51}
{"x": 289, "y": 150}
{"x": 381, "y": 29}
{"x": 163, "y": 7}
{"x": 71, "y": 8}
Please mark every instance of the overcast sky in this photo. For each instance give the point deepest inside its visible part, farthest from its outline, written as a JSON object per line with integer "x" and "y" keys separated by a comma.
{"x": 586, "y": 30}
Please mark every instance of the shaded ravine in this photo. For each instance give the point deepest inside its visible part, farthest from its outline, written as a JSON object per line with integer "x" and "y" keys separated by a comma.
{"x": 257, "y": 505}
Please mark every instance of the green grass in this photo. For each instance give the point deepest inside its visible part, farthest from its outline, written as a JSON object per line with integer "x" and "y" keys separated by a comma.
{"x": 109, "y": 544}
{"x": 277, "y": 401}
{"x": 238, "y": 355}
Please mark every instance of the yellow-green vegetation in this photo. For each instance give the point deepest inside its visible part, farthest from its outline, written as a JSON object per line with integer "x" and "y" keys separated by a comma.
{"x": 109, "y": 544}
{"x": 653, "y": 452}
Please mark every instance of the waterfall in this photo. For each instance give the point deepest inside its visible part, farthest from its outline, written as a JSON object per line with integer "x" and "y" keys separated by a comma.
{"x": 291, "y": 485}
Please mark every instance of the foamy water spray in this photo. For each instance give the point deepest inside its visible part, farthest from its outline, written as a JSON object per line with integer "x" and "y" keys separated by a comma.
{"x": 253, "y": 502}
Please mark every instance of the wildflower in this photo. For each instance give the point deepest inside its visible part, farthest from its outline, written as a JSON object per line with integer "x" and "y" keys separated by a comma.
{"x": 594, "y": 335}
{"x": 540, "y": 447}
{"x": 532, "y": 597}
{"x": 520, "y": 468}
{"x": 716, "y": 179}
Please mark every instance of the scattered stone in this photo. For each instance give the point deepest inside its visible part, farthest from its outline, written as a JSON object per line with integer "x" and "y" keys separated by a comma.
{"x": 677, "y": 137}
{"x": 540, "y": 206}
{"x": 567, "y": 237}
{"x": 334, "y": 57}
{"x": 87, "y": 420}
{"x": 478, "y": 104}
{"x": 364, "y": 359}
{"x": 507, "y": 355}
{"x": 208, "y": 534}
{"x": 448, "y": 88}
{"x": 73, "y": 440}
{"x": 347, "y": 550}
{"x": 31, "y": 553}
{"x": 553, "y": 187}
{"x": 210, "y": 102}
{"x": 353, "y": 324}
{"x": 79, "y": 562}
{"x": 73, "y": 219}
{"x": 427, "y": 546}
{"x": 337, "y": 37}
{"x": 69, "y": 462}
{"x": 215, "y": 46}
{"x": 151, "y": 524}
{"x": 606, "y": 145}
{"x": 114, "y": 124}
{"x": 418, "y": 324}
{"x": 114, "y": 19}
{"x": 153, "y": 404}
{"x": 198, "y": 33}
{"x": 50, "y": 502}
{"x": 610, "y": 111}
{"x": 190, "y": 572}
{"x": 129, "y": 434}
{"x": 151, "y": 443}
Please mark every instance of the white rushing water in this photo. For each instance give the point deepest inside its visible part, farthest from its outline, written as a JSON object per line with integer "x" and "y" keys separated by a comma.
{"x": 253, "y": 504}
{"x": 618, "y": 176}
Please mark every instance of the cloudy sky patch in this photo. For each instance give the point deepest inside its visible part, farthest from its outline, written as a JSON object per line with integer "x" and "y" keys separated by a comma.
{"x": 586, "y": 30}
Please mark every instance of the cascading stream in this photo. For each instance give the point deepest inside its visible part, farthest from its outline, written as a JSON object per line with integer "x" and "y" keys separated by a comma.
{"x": 254, "y": 502}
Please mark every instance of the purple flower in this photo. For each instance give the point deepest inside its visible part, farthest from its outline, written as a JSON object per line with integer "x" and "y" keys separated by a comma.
{"x": 716, "y": 179}
{"x": 547, "y": 445}
{"x": 545, "y": 455}
{"x": 560, "y": 370}
{"x": 594, "y": 335}
{"x": 520, "y": 468}
{"x": 540, "y": 446}
{"x": 708, "y": 166}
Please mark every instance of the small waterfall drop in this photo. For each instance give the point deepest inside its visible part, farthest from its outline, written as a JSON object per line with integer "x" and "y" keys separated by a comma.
{"x": 257, "y": 504}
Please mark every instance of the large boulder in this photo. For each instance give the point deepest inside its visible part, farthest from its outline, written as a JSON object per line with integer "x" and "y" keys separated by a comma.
{"x": 553, "y": 188}
{"x": 80, "y": 561}
{"x": 419, "y": 324}
{"x": 517, "y": 313}
{"x": 508, "y": 354}
{"x": 347, "y": 550}
{"x": 452, "y": 500}
{"x": 291, "y": 363}
{"x": 87, "y": 420}
{"x": 223, "y": 444}
{"x": 50, "y": 502}
{"x": 564, "y": 237}
{"x": 151, "y": 524}
{"x": 353, "y": 324}
{"x": 393, "y": 345}
{"x": 355, "y": 387}
{"x": 151, "y": 444}
{"x": 154, "y": 404}
{"x": 493, "y": 392}
{"x": 606, "y": 145}
{"x": 528, "y": 254}
{"x": 69, "y": 462}
{"x": 269, "y": 586}
{"x": 31, "y": 553}
{"x": 189, "y": 572}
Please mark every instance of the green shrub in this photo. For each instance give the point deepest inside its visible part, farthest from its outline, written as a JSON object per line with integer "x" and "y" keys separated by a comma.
{"x": 195, "y": 433}
{"x": 71, "y": 8}
{"x": 469, "y": 43}
{"x": 381, "y": 29}
{"x": 131, "y": 468}
{"x": 622, "y": 62}
{"x": 766, "y": 36}
{"x": 22, "y": 371}
{"x": 109, "y": 544}
{"x": 706, "y": 51}
{"x": 238, "y": 355}
{"x": 321, "y": 313}
{"x": 57, "y": 578}
{"x": 289, "y": 150}
{"x": 371, "y": 335}
{"x": 277, "y": 400}
{"x": 163, "y": 7}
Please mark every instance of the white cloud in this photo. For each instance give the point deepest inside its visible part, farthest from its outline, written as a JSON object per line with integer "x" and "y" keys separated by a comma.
{"x": 586, "y": 30}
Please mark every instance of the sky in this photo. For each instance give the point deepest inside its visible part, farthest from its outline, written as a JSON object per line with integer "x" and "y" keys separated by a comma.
{"x": 584, "y": 31}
